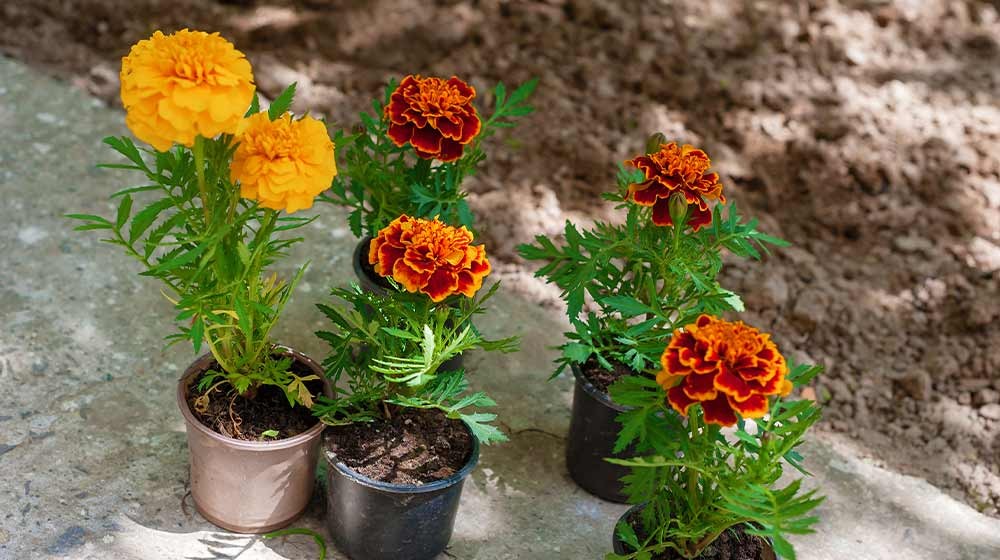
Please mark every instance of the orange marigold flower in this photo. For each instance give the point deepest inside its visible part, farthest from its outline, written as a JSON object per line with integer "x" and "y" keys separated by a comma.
{"x": 435, "y": 116}
{"x": 429, "y": 256}
{"x": 176, "y": 87}
{"x": 728, "y": 367}
{"x": 284, "y": 163}
{"x": 677, "y": 169}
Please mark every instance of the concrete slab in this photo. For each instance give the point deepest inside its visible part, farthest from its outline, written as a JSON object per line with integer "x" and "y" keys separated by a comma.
{"x": 92, "y": 449}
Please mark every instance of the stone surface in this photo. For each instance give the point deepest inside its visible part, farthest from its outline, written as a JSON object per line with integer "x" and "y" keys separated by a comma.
{"x": 92, "y": 447}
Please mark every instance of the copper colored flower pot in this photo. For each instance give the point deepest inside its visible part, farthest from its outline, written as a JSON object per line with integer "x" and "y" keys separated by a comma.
{"x": 593, "y": 430}
{"x": 249, "y": 486}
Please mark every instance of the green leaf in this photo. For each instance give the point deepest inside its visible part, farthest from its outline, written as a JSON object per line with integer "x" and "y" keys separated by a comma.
{"x": 627, "y": 306}
{"x": 269, "y": 434}
{"x": 577, "y": 352}
{"x": 178, "y": 260}
{"x": 401, "y": 333}
{"x": 89, "y": 218}
{"x": 627, "y": 535}
{"x": 282, "y": 103}
{"x": 146, "y": 217}
{"x": 124, "y": 209}
{"x": 254, "y": 105}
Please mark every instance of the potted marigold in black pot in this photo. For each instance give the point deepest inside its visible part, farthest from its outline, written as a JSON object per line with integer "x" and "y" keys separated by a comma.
{"x": 699, "y": 493}
{"x": 412, "y": 155}
{"x": 626, "y": 286}
{"x": 404, "y": 434}
{"x": 218, "y": 186}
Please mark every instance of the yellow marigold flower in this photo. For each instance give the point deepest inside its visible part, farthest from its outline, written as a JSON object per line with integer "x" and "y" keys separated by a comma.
{"x": 728, "y": 367}
{"x": 429, "y": 256}
{"x": 176, "y": 87}
{"x": 285, "y": 163}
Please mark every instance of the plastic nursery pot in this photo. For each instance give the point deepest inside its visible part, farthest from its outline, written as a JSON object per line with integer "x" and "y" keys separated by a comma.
{"x": 367, "y": 279}
{"x": 592, "y": 434}
{"x": 249, "y": 486}
{"x": 619, "y": 547}
{"x": 371, "y": 283}
{"x": 373, "y": 520}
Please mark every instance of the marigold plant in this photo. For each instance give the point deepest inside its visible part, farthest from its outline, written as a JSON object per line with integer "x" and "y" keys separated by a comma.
{"x": 423, "y": 138}
{"x": 627, "y": 286}
{"x": 392, "y": 345}
{"x": 429, "y": 256}
{"x": 692, "y": 481}
{"x": 215, "y": 182}
{"x": 183, "y": 85}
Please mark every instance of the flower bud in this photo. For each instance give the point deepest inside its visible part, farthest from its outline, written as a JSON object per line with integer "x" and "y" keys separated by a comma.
{"x": 654, "y": 142}
{"x": 678, "y": 209}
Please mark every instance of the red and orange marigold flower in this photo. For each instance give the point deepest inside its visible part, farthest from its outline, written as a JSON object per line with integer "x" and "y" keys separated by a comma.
{"x": 677, "y": 169}
{"x": 730, "y": 368}
{"x": 429, "y": 256}
{"x": 435, "y": 116}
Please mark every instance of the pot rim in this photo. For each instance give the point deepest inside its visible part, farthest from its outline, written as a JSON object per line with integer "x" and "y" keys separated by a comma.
{"x": 408, "y": 488}
{"x": 262, "y": 446}
{"x": 359, "y": 271}
{"x": 593, "y": 391}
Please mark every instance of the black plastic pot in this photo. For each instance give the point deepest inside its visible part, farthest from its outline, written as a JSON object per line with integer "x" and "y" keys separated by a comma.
{"x": 368, "y": 282}
{"x": 592, "y": 434}
{"x": 619, "y": 547}
{"x": 372, "y": 520}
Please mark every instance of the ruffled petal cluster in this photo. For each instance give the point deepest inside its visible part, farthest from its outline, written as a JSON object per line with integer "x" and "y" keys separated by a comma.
{"x": 434, "y": 116}
{"x": 284, "y": 163}
{"x": 176, "y": 87}
{"x": 429, "y": 256}
{"x": 677, "y": 169}
{"x": 730, "y": 368}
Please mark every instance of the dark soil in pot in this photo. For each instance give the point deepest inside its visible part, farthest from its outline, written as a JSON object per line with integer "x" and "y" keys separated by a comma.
{"x": 732, "y": 544}
{"x": 602, "y": 378}
{"x": 414, "y": 446}
{"x": 248, "y": 418}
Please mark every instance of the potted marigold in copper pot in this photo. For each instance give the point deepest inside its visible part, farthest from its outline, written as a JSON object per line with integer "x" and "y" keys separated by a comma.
{"x": 628, "y": 285}
{"x": 405, "y": 432}
{"x": 698, "y": 492}
{"x": 220, "y": 183}
{"x": 412, "y": 154}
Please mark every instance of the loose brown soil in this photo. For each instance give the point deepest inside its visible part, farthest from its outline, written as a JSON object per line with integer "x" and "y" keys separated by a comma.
{"x": 867, "y": 132}
{"x": 247, "y": 419}
{"x": 734, "y": 544}
{"x": 600, "y": 377}
{"x": 414, "y": 447}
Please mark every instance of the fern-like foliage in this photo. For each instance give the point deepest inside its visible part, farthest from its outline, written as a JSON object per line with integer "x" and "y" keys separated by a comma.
{"x": 391, "y": 348}
{"x": 628, "y": 286}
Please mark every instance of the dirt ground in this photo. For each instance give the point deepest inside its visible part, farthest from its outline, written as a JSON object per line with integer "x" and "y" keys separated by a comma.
{"x": 866, "y": 131}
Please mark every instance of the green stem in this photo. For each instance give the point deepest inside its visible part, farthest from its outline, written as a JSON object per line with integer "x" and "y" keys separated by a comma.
{"x": 692, "y": 474}
{"x": 199, "y": 164}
